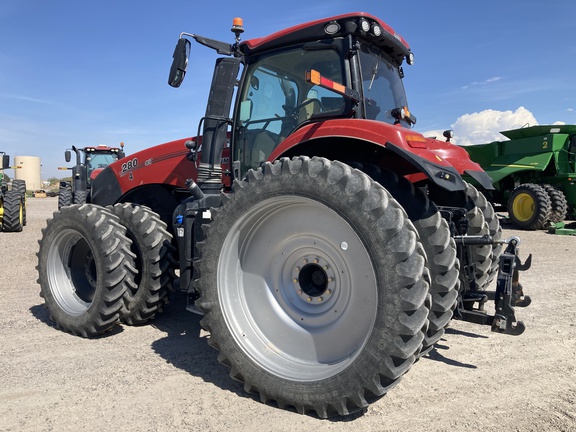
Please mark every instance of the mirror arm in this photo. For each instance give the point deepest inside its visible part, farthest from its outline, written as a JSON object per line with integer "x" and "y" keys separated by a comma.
{"x": 220, "y": 47}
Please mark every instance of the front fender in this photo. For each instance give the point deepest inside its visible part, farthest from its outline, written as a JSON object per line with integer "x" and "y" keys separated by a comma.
{"x": 443, "y": 176}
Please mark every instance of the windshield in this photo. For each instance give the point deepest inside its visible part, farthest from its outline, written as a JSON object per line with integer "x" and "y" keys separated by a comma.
{"x": 382, "y": 86}
{"x": 99, "y": 160}
{"x": 276, "y": 99}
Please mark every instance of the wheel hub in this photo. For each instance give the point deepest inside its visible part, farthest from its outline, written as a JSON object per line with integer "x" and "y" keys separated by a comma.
{"x": 314, "y": 281}
{"x": 524, "y": 207}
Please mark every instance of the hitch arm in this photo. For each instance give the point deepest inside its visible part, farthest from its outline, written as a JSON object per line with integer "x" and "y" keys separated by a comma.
{"x": 509, "y": 291}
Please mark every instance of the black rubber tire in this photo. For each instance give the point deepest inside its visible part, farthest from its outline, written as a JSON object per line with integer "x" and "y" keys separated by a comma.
{"x": 529, "y": 207}
{"x": 374, "y": 320}
{"x": 558, "y": 203}
{"x": 440, "y": 250}
{"x": 151, "y": 244}
{"x": 485, "y": 277}
{"x": 13, "y": 211}
{"x": 79, "y": 197}
{"x": 64, "y": 197}
{"x": 1, "y": 210}
{"x": 20, "y": 186}
{"x": 84, "y": 269}
{"x": 481, "y": 254}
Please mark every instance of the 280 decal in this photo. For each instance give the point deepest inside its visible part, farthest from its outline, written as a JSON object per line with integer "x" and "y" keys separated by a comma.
{"x": 129, "y": 165}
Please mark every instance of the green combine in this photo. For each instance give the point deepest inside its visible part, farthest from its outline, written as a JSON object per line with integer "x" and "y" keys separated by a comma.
{"x": 534, "y": 174}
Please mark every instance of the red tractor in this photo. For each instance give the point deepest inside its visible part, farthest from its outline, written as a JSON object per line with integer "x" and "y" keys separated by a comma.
{"x": 326, "y": 244}
{"x": 90, "y": 161}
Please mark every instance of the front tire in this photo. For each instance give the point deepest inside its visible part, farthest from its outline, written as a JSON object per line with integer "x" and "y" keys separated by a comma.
{"x": 312, "y": 282}
{"x": 484, "y": 276}
{"x": 85, "y": 267}
{"x": 151, "y": 244}
{"x": 440, "y": 250}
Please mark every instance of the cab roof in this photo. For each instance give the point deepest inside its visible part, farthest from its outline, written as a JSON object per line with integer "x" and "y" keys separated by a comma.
{"x": 359, "y": 24}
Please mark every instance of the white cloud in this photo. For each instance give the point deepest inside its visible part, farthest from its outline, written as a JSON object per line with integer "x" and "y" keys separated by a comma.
{"x": 485, "y": 126}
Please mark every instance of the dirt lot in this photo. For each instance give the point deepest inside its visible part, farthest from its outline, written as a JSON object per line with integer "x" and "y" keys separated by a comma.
{"x": 165, "y": 377}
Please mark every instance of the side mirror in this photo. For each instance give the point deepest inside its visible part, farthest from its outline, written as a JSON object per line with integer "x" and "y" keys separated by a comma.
{"x": 448, "y": 134}
{"x": 5, "y": 162}
{"x": 180, "y": 62}
{"x": 121, "y": 154}
{"x": 67, "y": 156}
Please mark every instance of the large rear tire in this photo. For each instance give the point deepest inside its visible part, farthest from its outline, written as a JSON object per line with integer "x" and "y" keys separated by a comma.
{"x": 151, "y": 244}
{"x": 13, "y": 218}
{"x": 85, "y": 267}
{"x": 313, "y": 286}
{"x": 529, "y": 207}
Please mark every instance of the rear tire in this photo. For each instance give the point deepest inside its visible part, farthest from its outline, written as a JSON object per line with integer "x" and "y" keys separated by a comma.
{"x": 558, "y": 203}
{"x": 313, "y": 285}
{"x": 529, "y": 207}
{"x": 85, "y": 267}
{"x": 151, "y": 244}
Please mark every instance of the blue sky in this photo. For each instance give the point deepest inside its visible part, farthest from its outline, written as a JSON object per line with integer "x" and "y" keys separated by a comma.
{"x": 90, "y": 72}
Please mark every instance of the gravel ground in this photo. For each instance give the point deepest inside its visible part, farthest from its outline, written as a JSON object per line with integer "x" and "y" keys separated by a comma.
{"x": 165, "y": 377}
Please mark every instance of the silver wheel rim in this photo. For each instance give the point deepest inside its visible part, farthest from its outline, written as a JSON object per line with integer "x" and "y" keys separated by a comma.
{"x": 71, "y": 272}
{"x": 297, "y": 288}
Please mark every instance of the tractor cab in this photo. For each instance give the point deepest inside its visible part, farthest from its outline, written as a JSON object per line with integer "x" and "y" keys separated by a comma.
{"x": 91, "y": 160}
{"x": 346, "y": 68}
